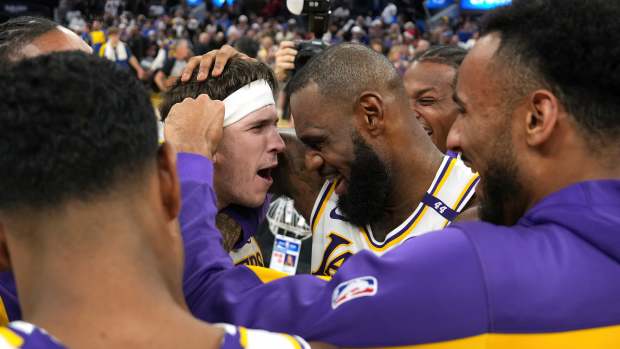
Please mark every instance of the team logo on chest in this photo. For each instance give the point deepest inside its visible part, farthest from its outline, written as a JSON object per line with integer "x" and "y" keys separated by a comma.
{"x": 365, "y": 286}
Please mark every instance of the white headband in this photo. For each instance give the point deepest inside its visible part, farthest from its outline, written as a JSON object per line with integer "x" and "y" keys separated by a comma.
{"x": 246, "y": 100}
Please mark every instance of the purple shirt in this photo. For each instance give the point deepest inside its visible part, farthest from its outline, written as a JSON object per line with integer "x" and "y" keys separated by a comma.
{"x": 553, "y": 273}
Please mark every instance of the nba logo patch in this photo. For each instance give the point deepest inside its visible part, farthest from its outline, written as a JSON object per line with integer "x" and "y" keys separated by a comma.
{"x": 364, "y": 286}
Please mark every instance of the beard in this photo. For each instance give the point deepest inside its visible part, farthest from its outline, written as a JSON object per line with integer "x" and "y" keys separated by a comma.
{"x": 502, "y": 202}
{"x": 368, "y": 188}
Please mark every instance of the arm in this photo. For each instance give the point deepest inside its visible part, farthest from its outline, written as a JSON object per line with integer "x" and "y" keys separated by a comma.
{"x": 160, "y": 81}
{"x": 429, "y": 289}
{"x": 441, "y": 297}
{"x": 136, "y": 65}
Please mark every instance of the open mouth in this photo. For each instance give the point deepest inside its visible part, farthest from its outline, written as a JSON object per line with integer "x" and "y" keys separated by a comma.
{"x": 265, "y": 173}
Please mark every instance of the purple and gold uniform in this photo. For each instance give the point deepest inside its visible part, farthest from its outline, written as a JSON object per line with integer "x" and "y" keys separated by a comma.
{"x": 550, "y": 281}
{"x": 22, "y": 335}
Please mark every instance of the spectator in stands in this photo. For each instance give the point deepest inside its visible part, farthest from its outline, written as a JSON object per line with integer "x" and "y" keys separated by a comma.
{"x": 118, "y": 52}
{"x": 174, "y": 66}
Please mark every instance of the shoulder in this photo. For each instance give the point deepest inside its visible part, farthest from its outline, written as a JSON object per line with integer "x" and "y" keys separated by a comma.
{"x": 237, "y": 337}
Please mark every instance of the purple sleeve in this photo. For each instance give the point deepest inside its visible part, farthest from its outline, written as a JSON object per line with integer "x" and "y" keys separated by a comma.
{"x": 202, "y": 241}
{"x": 430, "y": 289}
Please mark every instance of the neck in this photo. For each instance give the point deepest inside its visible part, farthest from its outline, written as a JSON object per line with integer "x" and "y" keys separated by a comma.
{"x": 574, "y": 165}
{"x": 93, "y": 281}
{"x": 413, "y": 172}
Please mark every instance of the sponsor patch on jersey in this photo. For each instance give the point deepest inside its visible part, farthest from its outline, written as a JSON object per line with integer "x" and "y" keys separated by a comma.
{"x": 364, "y": 286}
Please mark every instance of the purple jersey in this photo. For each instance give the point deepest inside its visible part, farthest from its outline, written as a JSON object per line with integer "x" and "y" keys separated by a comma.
{"x": 23, "y": 335}
{"x": 551, "y": 280}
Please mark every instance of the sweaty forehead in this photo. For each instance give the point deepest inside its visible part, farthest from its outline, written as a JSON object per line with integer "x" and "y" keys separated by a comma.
{"x": 60, "y": 39}
{"x": 426, "y": 75}
{"x": 310, "y": 109}
{"x": 476, "y": 74}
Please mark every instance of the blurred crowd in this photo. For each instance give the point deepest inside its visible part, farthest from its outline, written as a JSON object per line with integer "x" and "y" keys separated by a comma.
{"x": 156, "y": 38}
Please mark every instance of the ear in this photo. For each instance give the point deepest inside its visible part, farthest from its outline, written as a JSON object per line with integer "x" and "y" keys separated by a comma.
{"x": 542, "y": 118}
{"x": 370, "y": 113}
{"x": 169, "y": 187}
{"x": 5, "y": 258}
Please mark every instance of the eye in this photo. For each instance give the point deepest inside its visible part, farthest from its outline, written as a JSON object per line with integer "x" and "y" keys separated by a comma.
{"x": 426, "y": 101}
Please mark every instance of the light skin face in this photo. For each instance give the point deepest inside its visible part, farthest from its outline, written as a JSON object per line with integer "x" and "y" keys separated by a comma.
{"x": 430, "y": 87}
{"x": 114, "y": 39}
{"x": 182, "y": 51}
{"x": 61, "y": 39}
{"x": 245, "y": 157}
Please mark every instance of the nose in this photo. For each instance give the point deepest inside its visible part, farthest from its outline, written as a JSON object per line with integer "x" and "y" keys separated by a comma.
{"x": 453, "y": 142}
{"x": 276, "y": 143}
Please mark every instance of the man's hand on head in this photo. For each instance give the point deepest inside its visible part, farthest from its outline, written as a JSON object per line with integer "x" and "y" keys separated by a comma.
{"x": 195, "y": 126}
{"x": 216, "y": 59}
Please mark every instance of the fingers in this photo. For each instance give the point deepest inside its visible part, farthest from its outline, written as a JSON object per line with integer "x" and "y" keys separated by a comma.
{"x": 287, "y": 44}
{"x": 286, "y": 53}
{"x": 286, "y": 66}
{"x": 216, "y": 59}
{"x": 190, "y": 67}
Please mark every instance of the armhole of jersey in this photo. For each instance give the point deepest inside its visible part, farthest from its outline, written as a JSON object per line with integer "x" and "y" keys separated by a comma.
{"x": 318, "y": 203}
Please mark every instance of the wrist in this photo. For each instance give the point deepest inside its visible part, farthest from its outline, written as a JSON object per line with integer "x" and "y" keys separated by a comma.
{"x": 194, "y": 148}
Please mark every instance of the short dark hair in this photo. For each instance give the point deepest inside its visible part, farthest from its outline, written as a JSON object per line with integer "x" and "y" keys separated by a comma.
{"x": 447, "y": 55}
{"x": 236, "y": 74}
{"x": 248, "y": 46}
{"x": 343, "y": 71}
{"x": 19, "y": 32}
{"x": 571, "y": 47}
{"x": 72, "y": 125}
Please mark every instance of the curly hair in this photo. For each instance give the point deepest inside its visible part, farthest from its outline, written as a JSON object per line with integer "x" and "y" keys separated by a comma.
{"x": 72, "y": 126}
{"x": 19, "y": 32}
{"x": 236, "y": 74}
{"x": 571, "y": 47}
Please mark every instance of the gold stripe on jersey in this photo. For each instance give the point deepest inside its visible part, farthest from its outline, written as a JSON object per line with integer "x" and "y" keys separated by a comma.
{"x": 243, "y": 337}
{"x": 294, "y": 342}
{"x": 321, "y": 206}
{"x": 465, "y": 190}
{"x": 11, "y": 337}
{"x": 416, "y": 218}
{"x": 603, "y": 337}
{"x": 4, "y": 315}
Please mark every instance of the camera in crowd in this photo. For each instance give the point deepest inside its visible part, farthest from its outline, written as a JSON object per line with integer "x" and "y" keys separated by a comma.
{"x": 318, "y": 12}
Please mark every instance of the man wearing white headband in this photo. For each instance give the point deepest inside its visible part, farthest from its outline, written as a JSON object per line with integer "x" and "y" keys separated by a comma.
{"x": 247, "y": 153}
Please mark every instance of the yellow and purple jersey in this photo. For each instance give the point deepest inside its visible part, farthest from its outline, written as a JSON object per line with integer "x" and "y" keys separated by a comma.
{"x": 23, "y": 335}
{"x": 334, "y": 239}
{"x": 550, "y": 281}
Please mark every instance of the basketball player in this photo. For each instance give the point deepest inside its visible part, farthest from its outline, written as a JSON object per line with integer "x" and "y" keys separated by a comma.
{"x": 542, "y": 270}
{"x": 365, "y": 219}
{"x": 88, "y": 212}
{"x": 430, "y": 81}
{"x": 248, "y": 151}
{"x": 26, "y": 37}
